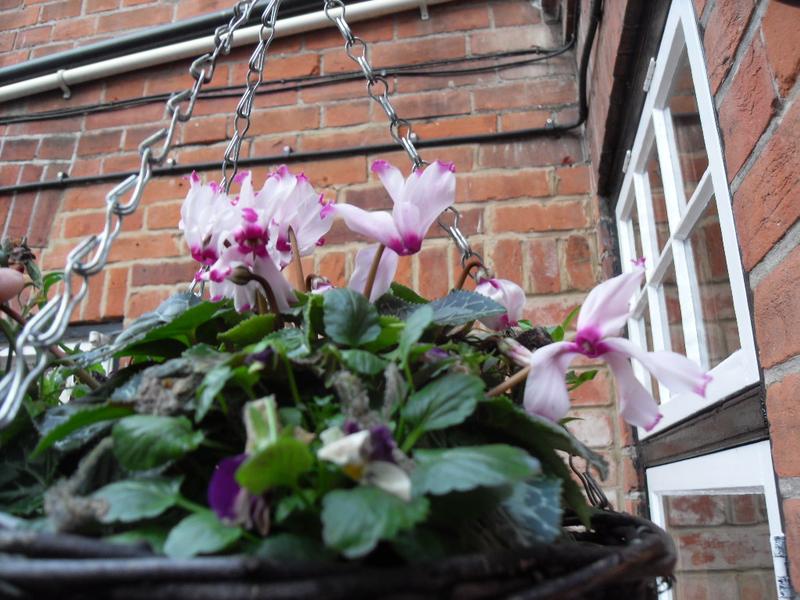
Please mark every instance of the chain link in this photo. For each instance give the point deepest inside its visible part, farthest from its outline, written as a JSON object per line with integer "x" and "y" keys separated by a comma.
{"x": 255, "y": 76}
{"x": 88, "y": 258}
{"x": 400, "y": 129}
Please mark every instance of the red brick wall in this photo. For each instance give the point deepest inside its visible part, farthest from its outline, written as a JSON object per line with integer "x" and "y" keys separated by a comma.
{"x": 753, "y": 60}
{"x": 527, "y": 205}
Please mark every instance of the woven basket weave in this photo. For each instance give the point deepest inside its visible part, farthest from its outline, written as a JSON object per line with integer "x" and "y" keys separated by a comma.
{"x": 621, "y": 557}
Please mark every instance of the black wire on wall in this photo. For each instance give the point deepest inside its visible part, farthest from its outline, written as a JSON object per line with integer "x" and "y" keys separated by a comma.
{"x": 503, "y": 136}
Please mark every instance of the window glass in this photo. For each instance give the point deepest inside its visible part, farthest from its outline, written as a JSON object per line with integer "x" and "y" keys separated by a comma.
{"x": 716, "y": 299}
{"x": 669, "y": 289}
{"x": 659, "y": 206}
{"x": 723, "y": 543}
{"x": 691, "y": 148}
{"x": 648, "y": 332}
{"x": 637, "y": 232}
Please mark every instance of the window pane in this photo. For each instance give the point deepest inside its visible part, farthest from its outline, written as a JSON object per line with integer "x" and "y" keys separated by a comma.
{"x": 716, "y": 299}
{"x": 686, "y": 123}
{"x": 637, "y": 232}
{"x": 657, "y": 199}
{"x": 669, "y": 287}
{"x": 648, "y": 332}
{"x": 723, "y": 544}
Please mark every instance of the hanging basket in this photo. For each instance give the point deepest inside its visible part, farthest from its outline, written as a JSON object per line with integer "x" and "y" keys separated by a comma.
{"x": 620, "y": 557}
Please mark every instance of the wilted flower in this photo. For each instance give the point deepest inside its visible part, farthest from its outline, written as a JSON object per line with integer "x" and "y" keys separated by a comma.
{"x": 506, "y": 293}
{"x": 418, "y": 201}
{"x": 366, "y": 456}
{"x": 387, "y": 267}
{"x": 604, "y": 313}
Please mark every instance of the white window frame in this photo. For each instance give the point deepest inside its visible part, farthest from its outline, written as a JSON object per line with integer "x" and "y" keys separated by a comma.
{"x": 740, "y": 369}
{"x": 743, "y": 470}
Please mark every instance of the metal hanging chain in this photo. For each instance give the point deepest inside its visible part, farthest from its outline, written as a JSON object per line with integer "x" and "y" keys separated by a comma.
{"x": 88, "y": 258}
{"x": 255, "y": 77}
{"x": 399, "y": 128}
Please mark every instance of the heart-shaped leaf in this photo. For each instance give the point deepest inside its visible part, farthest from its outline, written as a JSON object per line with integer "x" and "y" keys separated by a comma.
{"x": 143, "y": 442}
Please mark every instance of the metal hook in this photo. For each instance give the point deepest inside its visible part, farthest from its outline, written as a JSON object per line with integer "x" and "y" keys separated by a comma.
{"x": 67, "y": 93}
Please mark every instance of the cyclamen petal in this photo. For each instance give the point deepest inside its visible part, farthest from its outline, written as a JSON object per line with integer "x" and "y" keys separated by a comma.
{"x": 678, "y": 373}
{"x": 391, "y": 177}
{"x": 384, "y": 276}
{"x": 281, "y": 288}
{"x": 376, "y": 225}
{"x": 508, "y": 294}
{"x": 607, "y": 306}
{"x": 417, "y": 202}
{"x": 545, "y": 391}
{"x": 636, "y": 405}
{"x": 432, "y": 192}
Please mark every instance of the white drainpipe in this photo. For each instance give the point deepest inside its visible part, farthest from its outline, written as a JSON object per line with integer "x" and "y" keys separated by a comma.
{"x": 193, "y": 48}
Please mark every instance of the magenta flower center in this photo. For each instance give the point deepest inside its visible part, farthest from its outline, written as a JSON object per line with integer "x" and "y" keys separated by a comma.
{"x": 252, "y": 238}
{"x": 589, "y": 342}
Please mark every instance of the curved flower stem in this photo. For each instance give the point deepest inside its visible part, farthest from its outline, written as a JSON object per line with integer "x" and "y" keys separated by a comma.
{"x": 81, "y": 374}
{"x": 373, "y": 271}
{"x": 472, "y": 263}
{"x": 509, "y": 383}
{"x": 292, "y": 382}
{"x": 270, "y": 296}
{"x": 297, "y": 263}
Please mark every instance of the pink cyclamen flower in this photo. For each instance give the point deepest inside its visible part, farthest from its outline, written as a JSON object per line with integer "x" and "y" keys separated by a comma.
{"x": 506, "y": 293}
{"x": 206, "y": 214}
{"x": 244, "y": 295}
{"x": 418, "y": 201}
{"x": 251, "y": 231}
{"x": 602, "y": 316}
{"x": 387, "y": 267}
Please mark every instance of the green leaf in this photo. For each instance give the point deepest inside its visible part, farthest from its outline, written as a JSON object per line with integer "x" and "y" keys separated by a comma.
{"x": 279, "y": 464}
{"x": 363, "y": 362}
{"x": 212, "y": 384}
{"x": 144, "y": 442}
{"x": 74, "y": 421}
{"x": 447, "y": 401}
{"x": 249, "y": 331}
{"x": 532, "y": 432}
{"x": 355, "y": 520}
{"x": 460, "y": 469}
{"x": 416, "y": 324}
{"x": 199, "y": 533}
{"x": 461, "y": 306}
{"x": 135, "y": 499}
{"x": 534, "y": 509}
{"x": 575, "y": 380}
{"x": 349, "y": 318}
{"x": 407, "y": 294}
{"x": 174, "y": 318}
{"x": 556, "y": 333}
{"x": 570, "y": 317}
{"x": 391, "y": 330}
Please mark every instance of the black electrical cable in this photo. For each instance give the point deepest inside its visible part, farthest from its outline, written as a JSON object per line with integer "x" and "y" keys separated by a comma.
{"x": 308, "y": 81}
{"x": 503, "y": 136}
{"x": 152, "y": 37}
